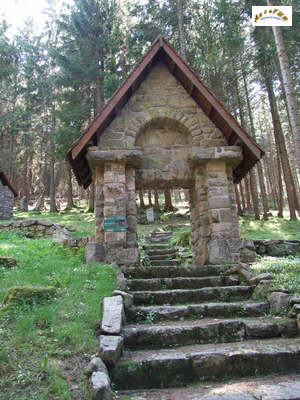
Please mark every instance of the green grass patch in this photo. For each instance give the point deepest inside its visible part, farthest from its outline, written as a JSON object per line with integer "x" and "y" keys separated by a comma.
{"x": 46, "y": 345}
{"x": 274, "y": 228}
{"x": 285, "y": 271}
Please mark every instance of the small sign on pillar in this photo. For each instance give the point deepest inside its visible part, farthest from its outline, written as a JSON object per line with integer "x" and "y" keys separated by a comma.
{"x": 115, "y": 224}
{"x": 150, "y": 214}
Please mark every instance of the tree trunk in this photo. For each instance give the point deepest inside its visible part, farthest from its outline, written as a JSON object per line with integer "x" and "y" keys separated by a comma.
{"x": 156, "y": 200}
{"x": 280, "y": 143}
{"x": 242, "y": 196}
{"x": 168, "y": 200}
{"x": 149, "y": 198}
{"x": 288, "y": 88}
{"x": 141, "y": 196}
{"x": 280, "y": 187}
{"x": 70, "y": 203}
{"x": 253, "y": 183}
{"x": 52, "y": 172}
{"x": 247, "y": 193}
{"x": 91, "y": 207}
{"x": 182, "y": 38}
{"x": 238, "y": 199}
{"x": 263, "y": 190}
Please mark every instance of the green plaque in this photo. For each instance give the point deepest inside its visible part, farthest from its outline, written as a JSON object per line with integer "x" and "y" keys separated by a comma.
{"x": 115, "y": 224}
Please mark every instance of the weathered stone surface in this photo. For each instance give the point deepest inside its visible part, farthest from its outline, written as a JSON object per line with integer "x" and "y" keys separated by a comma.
{"x": 193, "y": 295}
{"x": 261, "y": 277}
{"x": 94, "y": 253}
{"x": 96, "y": 364}
{"x": 101, "y": 386}
{"x": 279, "y": 302}
{"x": 122, "y": 256}
{"x": 127, "y": 298}
{"x": 36, "y": 227}
{"x": 218, "y": 251}
{"x": 281, "y": 391}
{"x": 262, "y": 289}
{"x": 261, "y": 329}
{"x": 178, "y": 367}
{"x": 28, "y": 293}
{"x": 298, "y": 321}
{"x": 277, "y": 248}
{"x": 110, "y": 348}
{"x": 113, "y": 313}
{"x": 6, "y": 201}
{"x": 245, "y": 273}
{"x": 7, "y": 262}
{"x": 295, "y": 310}
{"x": 295, "y": 299}
{"x": 24, "y": 204}
{"x": 61, "y": 236}
{"x": 227, "y": 396}
{"x": 185, "y": 333}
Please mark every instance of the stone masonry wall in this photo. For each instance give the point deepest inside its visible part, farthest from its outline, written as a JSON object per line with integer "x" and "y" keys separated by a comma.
{"x": 161, "y": 96}
{"x": 6, "y": 202}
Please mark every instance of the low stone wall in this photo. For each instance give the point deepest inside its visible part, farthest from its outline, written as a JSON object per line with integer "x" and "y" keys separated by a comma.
{"x": 277, "y": 248}
{"x": 35, "y": 227}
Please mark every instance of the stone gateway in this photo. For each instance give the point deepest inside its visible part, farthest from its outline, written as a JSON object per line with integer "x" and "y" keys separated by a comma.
{"x": 7, "y": 197}
{"x": 164, "y": 129}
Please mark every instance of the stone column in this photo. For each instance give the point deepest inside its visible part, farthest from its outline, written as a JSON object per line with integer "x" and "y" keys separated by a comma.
{"x": 131, "y": 235}
{"x": 219, "y": 212}
{"x": 99, "y": 205}
{"x": 200, "y": 230}
{"x": 115, "y": 199}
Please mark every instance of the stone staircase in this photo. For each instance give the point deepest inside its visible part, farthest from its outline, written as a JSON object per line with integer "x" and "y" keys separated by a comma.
{"x": 195, "y": 324}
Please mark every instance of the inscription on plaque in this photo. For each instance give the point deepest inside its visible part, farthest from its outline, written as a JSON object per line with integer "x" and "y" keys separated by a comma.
{"x": 115, "y": 224}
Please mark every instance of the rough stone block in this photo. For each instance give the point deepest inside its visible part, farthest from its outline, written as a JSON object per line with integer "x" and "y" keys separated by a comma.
{"x": 94, "y": 252}
{"x": 218, "y": 251}
{"x": 279, "y": 302}
{"x": 111, "y": 348}
{"x": 96, "y": 364}
{"x": 122, "y": 256}
{"x": 113, "y": 313}
{"x": 101, "y": 386}
{"x": 127, "y": 298}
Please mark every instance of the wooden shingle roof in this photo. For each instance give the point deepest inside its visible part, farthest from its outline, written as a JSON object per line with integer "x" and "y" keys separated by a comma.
{"x": 162, "y": 51}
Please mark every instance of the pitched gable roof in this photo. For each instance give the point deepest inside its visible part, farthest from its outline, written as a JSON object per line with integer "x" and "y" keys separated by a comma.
{"x": 162, "y": 51}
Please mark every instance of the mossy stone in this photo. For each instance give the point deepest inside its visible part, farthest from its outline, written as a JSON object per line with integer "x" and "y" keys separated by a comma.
{"x": 21, "y": 294}
{"x": 7, "y": 262}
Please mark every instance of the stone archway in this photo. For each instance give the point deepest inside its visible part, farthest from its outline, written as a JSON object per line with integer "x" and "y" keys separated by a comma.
{"x": 164, "y": 128}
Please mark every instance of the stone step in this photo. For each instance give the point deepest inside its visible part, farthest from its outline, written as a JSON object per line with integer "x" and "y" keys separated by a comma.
{"x": 203, "y": 310}
{"x": 156, "y": 246}
{"x": 161, "y": 233}
{"x": 160, "y": 252}
{"x": 163, "y": 257}
{"x": 184, "y": 365}
{"x": 275, "y": 387}
{"x": 181, "y": 283}
{"x": 174, "y": 271}
{"x": 160, "y": 240}
{"x": 183, "y": 333}
{"x": 165, "y": 262}
{"x": 224, "y": 293}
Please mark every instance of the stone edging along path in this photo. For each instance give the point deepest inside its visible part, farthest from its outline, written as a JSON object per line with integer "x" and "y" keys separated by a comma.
{"x": 185, "y": 324}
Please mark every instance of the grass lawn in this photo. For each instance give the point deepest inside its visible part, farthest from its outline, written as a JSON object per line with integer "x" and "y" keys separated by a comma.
{"x": 46, "y": 346}
{"x": 274, "y": 228}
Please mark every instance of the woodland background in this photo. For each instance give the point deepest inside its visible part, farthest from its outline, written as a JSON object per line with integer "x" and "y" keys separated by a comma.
{"x": 53, "y": 84}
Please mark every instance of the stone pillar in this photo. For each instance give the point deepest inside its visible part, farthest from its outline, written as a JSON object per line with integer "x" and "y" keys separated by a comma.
{"x": 220, "y": 212}
{"x": 131, "y": 234}
{"x": 115, "y": 199}
{"x": 234, "y": 242}
{"x": 99, "y": 205}
{"x": 200, "y": 230}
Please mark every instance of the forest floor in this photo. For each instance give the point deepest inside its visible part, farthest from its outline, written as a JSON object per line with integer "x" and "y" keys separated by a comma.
{"x": 46, "y": 346}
